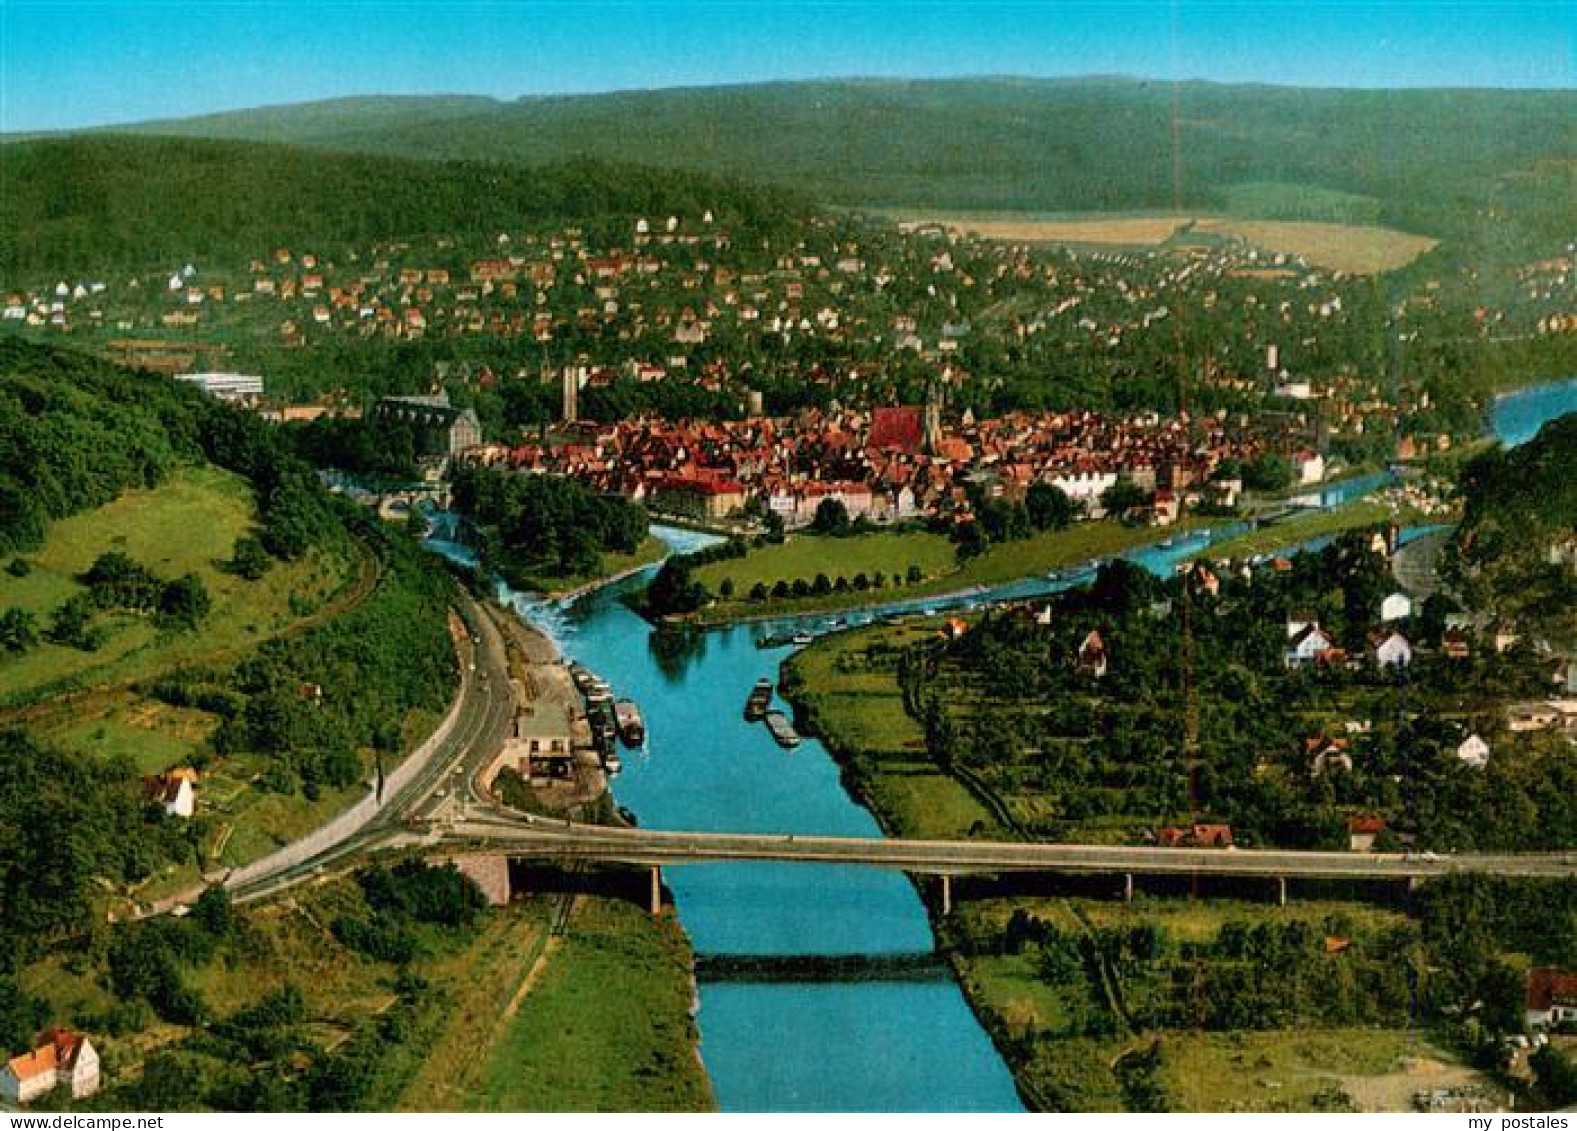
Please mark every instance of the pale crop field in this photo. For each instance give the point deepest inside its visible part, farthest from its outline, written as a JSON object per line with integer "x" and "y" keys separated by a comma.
{"x": 1357, "y": 249}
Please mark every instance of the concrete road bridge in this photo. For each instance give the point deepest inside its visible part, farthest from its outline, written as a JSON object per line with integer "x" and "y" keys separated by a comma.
{"x": 468, "y": 829}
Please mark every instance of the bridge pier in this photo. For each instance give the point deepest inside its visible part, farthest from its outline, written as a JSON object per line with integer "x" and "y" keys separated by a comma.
{"x": 1127, "y": 887}
{"x": 947, "y": 895}
{"x": 657, "y": 891}
{"x": 1281, "y": 890}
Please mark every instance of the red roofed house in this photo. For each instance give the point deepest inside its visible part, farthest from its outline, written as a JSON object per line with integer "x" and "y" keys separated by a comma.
{"x": 1196, "y": 836}
{"x": 896, "y": 429}
{"x": 702, "y": 496}
{"x": 1092, "y": 655}
{"x": 176, "y": 791}
{"x": 1552, "y": 997}
{"x": 1362, "y": 830}
{"x": 61, "y": 1057}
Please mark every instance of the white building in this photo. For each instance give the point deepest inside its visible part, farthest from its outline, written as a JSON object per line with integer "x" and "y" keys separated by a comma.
{"x": 1398, "y": 606}
{"x": 226, "y": 386}
{"x": 1473, "y": 752}
{"x": 1391, "y": 650}
{"x": 61, "y": 1057}
{"x": 175, "y": 791}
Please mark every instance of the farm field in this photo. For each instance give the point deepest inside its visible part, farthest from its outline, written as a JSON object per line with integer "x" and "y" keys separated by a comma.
{"x": 1360, "y": 249}
{"x": 189, "y": 524}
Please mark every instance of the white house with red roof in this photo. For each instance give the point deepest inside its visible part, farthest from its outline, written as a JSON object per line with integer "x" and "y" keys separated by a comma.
{"x": 1552, "y": 997}
{"x": 61, "y": 1057}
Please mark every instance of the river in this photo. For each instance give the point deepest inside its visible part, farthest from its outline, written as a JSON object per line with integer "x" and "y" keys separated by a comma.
{"x": 794, "y": 1046}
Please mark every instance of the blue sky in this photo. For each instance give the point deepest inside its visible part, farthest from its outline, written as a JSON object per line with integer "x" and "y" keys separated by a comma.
{"x": 66, "y": 63}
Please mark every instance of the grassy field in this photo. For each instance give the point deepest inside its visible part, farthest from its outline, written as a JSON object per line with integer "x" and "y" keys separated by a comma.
{"x": 1296, "y": 529}
{"x": 1301, "y": 1071}
{"x": 1354, "y": 248}
{"x": 807, "y": 555}
{"x": 187, "y": 525}
{"x": 605, "y": 1028}
{"x": 860, "y": 715}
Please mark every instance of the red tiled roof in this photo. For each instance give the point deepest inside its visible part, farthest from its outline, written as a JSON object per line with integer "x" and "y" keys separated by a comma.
{"x": 1548, "y": 986}
{"x": 896, "y": 428}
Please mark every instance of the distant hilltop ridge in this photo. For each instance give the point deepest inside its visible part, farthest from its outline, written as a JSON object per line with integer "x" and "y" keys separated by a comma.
{"x": 364, "y": 109}
{"x": 1406, "y": 157}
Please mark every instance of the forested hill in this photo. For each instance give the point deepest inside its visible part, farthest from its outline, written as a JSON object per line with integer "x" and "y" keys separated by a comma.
{"x": 76, "y": 432}
{"x": 93, "y": 203}
{"x": 1529, "y": 487}
{"x": 1419, "y": 159}
{"x": 1513, "y": 552}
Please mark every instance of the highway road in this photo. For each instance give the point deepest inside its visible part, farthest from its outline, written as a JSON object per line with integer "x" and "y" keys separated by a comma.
{"x": 424, "y": 789}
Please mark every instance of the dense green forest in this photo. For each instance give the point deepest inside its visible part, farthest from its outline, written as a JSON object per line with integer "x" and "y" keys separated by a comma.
{"x": 1515, "y": 551}
{"x": 534, "y": 526}
{"x": 95, "y": 203}
{"x": 1413, "y": 158}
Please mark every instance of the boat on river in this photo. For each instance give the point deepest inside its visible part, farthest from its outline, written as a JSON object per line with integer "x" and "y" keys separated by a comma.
{"x": 758, "y": 702}
{"x": 627, "y": 717}
{"x": 782, "y": 730}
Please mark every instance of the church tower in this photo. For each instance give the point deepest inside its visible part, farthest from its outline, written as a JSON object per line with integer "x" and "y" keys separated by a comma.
{"x": 933, "y": 417}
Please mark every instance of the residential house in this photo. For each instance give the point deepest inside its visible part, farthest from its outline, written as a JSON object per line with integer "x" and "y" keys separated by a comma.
{"x": 1327, "y": 755}
{"x": 1524, "y": 717}
{"x": 175, "y": 792}
{"x": 1390, "y": 649}
{"x": 1454, "y": 643}
{"x": 1092, "y": 655}
{"x": 60, "y": 1057}
{"x": 1362, "y": 831}
{"x": 1473, "y": 752}
{"x": 1398, "y": 606}
{"x": 1196, "y": 836}
{"x": 1308, "y": 466}
{"x": 1306, "y": 645}
{"x": 1552, "y": 997}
